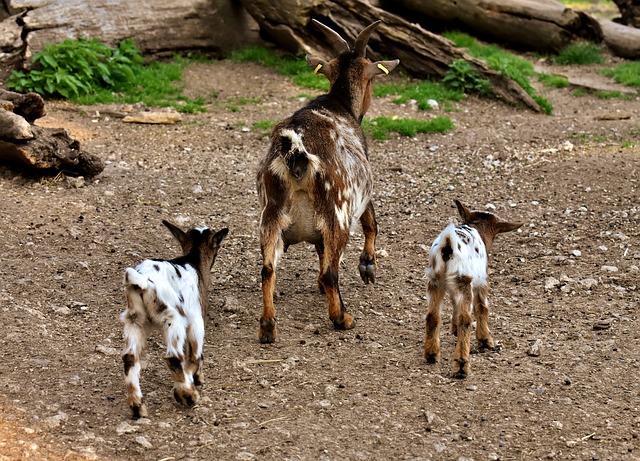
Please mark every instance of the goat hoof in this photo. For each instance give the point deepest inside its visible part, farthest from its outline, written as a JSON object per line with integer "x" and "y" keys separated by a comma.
{"x": 198, "y": 380}
{"x": 462, "y": 370}
{"x": 344, "y": 322}
{"x": 267, "y": 332}
{"x": 139, "y": 411}
{"x": 432, "y": 358}
{"x": 188, "y": 397}
{"x": 488, "y": 345}
{"x": 367, "y": 272}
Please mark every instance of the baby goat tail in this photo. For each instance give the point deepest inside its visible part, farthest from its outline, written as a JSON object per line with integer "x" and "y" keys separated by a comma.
{"x": 135, "y": 280}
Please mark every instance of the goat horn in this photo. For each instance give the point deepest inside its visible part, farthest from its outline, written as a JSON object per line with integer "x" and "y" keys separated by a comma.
{"x": 339, "y": 43}
{"x": 360, "y": 47}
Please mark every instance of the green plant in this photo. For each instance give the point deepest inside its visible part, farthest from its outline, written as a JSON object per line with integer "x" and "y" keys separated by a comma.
{"x": 77, "y": 67}
{"x": 263, "y": 126}
{"x": 464, "y": 78}
{"x": 380, "y": 127}
{"x": 580, "y": 92}
{"x": 553, "y": 81}
{"x": 613, "y": 95}
{"x": 627, "y": 73}
{"x": 243, "y": 101}
{"x": 580, "y": 54}
{"x": 89, "y": 72}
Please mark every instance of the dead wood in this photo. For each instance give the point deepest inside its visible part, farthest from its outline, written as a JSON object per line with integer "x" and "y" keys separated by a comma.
{"x": 51, "y": 150}
{"x": 30, "y": 105}
{"x": 622, "y": 40}
{"x": 13, "y": 126}
{"x": 421, "y": 52}
{"x": 543, "y": 25}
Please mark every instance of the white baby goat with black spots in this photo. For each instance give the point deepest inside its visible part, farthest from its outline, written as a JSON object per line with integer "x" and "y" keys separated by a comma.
{"x": 171, "y": 295}
{"x": 458, "y": 266}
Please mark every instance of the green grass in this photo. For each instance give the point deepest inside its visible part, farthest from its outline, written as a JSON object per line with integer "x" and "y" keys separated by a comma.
{"x": 553, "y": 81}
{"x": 580, "y": 54}
{"x": 380, "y": 127}
{"x": 518, "y": 69}
{"x": 88, "y": 72}
{"x": 614, "y": 95}
{"x": 243, "y": 101}
{"x": 263, "y": 126}
{"x": 296, "y": 69}
{"x": 627, "y": 73}
{"x": 421, "y": 92}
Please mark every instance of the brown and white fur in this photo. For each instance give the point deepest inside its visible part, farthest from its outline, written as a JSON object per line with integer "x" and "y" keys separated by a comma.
{"x": 171, "y": 295}
{"x": 458, "y": 267}
{"x": 315, "y": 180}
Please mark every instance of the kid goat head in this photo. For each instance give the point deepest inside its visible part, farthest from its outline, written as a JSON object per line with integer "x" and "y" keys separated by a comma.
{"x": 315, "y": 179}
{"x": 458, "y": 266}
{"x": 171, "y": 295}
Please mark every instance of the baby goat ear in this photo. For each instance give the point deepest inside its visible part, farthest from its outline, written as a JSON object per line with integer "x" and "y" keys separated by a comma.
{"x": 504, "y": 226}
{"x": 464, "y": 212}
{"x": 219, "y": 236}
{"x": 178, "y": 233}
{"x": 381, "y": 67}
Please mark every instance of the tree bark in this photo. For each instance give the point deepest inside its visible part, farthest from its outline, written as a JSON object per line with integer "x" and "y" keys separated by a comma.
{"x": 422, "y": 53}
{"x": 622, "y": 40}
{"x": 542, "y": 25}
{"x": 30, "y": 105}
{"x": 215, "y": 26}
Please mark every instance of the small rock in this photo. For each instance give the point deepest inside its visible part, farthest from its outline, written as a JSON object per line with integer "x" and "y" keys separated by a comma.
{"x": 557, "y": 424}
{"x": 490, "y": 206}
{"x": 55, "y": 421}
{"x": 576, "y": 253}
{"x": 472, "y": 387}
{"x": 609, "y": 269}
{"x": 106, "y": 350}
{"x": 382, "y": 253}
{"x": 439, "y": 447}
{"x": 602, "y": 248}
{"x": 588, "y": 283}
{"x": 197, "y": 189}
{"x": 433, "y": 104}
{"x": 142, "y": 440}
{"x": 76, "y": 182}
{"x": 571, "y": 443}
{"x": 125, "y": 428}
{"x": 602, "y": 325}
{"x": 231, "y": 304}
{"x": 535, "y": 348}
{"x": 245, "y": 456}
{"x": 550, "y": 283}
{"x": 62, "y": 310}
{"x": 568, "y": 146}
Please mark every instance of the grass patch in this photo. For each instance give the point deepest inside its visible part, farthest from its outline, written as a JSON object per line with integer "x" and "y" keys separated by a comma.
{"x": 421, "y": 92}
{"x": 243, "y": 101}
{"x": 296, "y": 69}
{"x": 580, "y": 54}
{"x": 627, "y": 73}
{"x": 518, "y": 69}
{"x": 380, "y": 127}
{"x": 263, "y": 126}
{"x": 614, "y": 95}
{"x": 89, "y": 72}
{"x": 553, "y": 81}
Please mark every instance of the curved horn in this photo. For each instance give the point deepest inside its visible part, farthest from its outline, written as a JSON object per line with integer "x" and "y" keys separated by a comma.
{"x": 339, "y": 43}
{"x": 360, "y": 47}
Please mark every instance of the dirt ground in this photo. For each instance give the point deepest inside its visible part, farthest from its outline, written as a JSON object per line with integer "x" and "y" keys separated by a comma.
{"x": 568, "y": 283}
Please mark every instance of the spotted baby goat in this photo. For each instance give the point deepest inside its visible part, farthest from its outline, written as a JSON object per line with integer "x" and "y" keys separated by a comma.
{"x": 458, "y": 266}
{"x": 171, "y": 295}
{"x": 315, "y": 179}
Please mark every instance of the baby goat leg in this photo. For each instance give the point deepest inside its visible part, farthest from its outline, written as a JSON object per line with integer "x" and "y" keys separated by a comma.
{"x": 329, "y": 279}
{"x": 368, "y": 263}
{"x": 463, "y": 300}
{"x": 481, "y": 313}
{"x": 432, "y": 331}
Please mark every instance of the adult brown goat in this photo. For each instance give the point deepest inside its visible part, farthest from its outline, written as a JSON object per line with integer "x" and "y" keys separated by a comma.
{"x": 315, "y": 179}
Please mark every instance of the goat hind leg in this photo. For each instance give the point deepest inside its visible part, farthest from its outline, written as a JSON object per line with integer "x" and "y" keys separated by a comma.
{"x": 195, "y": 360}
{"x": 432, "y": 330}
{"x": 481, "y": 313}
{"x": 462, "y": 297}
{"x": 368, "y": 264}
{"x": 184, "y": 390}
{"x": 134, "y": 338}
{"x": 329, "y": 279}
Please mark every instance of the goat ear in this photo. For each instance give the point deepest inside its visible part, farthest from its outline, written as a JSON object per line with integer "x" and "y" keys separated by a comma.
{"x": 504, "y": 226}
{"x": 464, "y": 212}
{"x": 178, "y": 233}
{"x": 319, "y": 66}
{"x": 219, "y": 236}
{"x": 381, "y": 67}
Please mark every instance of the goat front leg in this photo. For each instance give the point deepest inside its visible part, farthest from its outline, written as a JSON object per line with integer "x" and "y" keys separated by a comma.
{"x": 184, "y": 390}
{"x": 368, "y": 264}
{"x": 462, "y": 296}
{"x": 435, "y": 294}
{"x": 329, "y": 280}
{"x": 481, "y": 313}
{"x": 135, "y": 338}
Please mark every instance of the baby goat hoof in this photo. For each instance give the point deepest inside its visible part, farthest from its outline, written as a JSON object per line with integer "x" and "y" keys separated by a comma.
{"x": 486, "y": 345}
{"x": 188, "y": 397}
{"x": 267, "y": 332}
{"x": 139, "y": 411}
{"x": 367, "y": 268}
{"x": 344, "y": 322}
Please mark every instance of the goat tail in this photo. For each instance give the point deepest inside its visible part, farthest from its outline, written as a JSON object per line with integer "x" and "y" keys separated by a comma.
{"x": 135, "y": 280}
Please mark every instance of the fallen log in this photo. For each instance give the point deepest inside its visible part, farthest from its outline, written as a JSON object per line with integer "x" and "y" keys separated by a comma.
{"x": 622, "y": 40}
{"x": 13, "y": 126}
{"x": 542, "y": 25}
{"x": 50, "y": 151}
{"x": 29, "y": 105}
{"x": 421, "y": 52}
